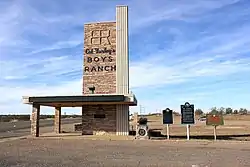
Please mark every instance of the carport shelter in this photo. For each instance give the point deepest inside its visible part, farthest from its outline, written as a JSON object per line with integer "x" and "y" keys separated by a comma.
{"x": 100, "y": 113}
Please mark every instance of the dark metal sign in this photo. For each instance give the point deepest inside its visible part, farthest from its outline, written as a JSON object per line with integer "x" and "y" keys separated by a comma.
{"x": 187, "y": 113}
{"x": 167, "y": 115}
{"x": 214, "y": 120}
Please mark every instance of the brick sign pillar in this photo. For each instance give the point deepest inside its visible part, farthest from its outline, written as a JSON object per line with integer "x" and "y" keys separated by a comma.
{"x": 106, "y": 71}
{"x": 57, "y": 123}
{"x": 35, "y": 120}
{"x": 99, "y": 69}
{"x": 99, "y": 76}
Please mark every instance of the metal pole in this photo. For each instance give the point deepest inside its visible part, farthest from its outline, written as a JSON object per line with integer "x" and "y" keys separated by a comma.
{"x": 215, "y": 135}
{"x": 168, "y": 131}
{"x": 188, "y": 132}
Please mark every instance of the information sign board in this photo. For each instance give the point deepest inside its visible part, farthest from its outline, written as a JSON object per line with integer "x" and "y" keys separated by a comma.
{"x": 167, "y": 115}
{"x": 214, "y": 119}
{"x": 187, "y": 113}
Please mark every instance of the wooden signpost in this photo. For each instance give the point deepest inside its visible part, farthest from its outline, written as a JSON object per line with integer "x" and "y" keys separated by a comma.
{"x": 214, "y": 120}
{"x": 187, "y": 116}
{"x": 167, "y": 115}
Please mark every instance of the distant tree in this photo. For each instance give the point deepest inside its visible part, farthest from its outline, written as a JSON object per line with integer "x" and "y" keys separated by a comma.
{"x": 214, "y": 110}
{"x": 222, "y": 110}
{"x": 229, "y": 110}
{"x": 235, "y": 111}
{"x": 198, "y": 111}
{"x": 243, "y": 111}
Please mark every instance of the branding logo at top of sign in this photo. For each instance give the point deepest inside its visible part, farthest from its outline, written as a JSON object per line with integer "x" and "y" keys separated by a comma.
{"x": 167, "y": 110}
{"x": 187, "y": 104}
{"x": 99, "y": 37}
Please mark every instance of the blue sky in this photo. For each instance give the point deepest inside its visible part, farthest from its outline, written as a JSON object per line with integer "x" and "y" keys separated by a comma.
{"x": 180, "y": 50}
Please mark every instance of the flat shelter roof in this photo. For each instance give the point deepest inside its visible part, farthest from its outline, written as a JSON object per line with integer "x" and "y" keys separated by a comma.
{"x": 78, "y": 101}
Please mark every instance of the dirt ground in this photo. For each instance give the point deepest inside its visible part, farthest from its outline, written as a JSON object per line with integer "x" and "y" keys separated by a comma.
{"x": 75, "y": 151}
{"x": 235, "y": 127}
{"x": 48, "y": 152}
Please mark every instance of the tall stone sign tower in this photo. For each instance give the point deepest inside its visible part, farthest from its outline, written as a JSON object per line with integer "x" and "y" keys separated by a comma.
{"x": 106, "y": 67}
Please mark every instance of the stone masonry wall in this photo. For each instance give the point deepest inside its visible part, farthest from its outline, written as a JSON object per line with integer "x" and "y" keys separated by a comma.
{"x": 100, "y": 58}
{"x": 35, "y": 120}
{"x": 57, "y": 122}
{"x": 99, "y": 126}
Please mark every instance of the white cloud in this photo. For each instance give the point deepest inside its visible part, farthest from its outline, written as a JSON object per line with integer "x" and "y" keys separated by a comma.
{"x": 151, "y": 75}
{"x": 11, "y": 102}
{"x": 11, "y": 77}
{"x": 151, "y": 12}
{"x": 31, "y": 75}
{"x": 58, "y": 45}
{"x": 44, "y": 69}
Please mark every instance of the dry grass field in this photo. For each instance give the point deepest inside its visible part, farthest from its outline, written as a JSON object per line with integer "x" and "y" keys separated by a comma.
{"x": 235, "y": 127}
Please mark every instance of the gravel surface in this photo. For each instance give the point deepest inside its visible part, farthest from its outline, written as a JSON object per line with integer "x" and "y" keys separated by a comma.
{"x": 47, "y": 152}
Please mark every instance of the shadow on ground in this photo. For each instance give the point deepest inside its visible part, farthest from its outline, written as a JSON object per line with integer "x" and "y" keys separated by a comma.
{"x": 154, "y": 134}
{"x": 158, "y": 135}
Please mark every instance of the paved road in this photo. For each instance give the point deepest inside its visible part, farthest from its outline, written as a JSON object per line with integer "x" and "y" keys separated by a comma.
{"x": 22, "y": 128}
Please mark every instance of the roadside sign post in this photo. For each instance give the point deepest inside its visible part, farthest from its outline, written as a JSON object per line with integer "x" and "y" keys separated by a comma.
{"x": 188, "y": 131}
{"x": 167, "y": 116}
{"x": 168, "y": 131}
{"x": 214, "y": 120}
{"x": 215, "y": 132}
{"x": 187, "y": 116}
